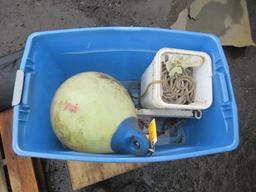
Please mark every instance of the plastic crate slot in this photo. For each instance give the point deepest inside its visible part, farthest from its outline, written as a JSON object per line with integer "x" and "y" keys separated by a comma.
{"x": 27, "y": 90}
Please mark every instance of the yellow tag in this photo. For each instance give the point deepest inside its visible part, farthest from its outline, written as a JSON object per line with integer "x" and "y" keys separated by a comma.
{"x": 152, "y": 132}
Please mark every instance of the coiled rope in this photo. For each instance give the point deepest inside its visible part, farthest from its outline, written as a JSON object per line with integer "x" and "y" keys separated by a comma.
{"x": 177, "y": 89}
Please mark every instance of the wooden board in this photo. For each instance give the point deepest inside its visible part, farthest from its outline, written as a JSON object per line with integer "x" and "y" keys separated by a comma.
{"x": 20, "y": 169}
{"x": 3, "y": 183}
{"x": 84, "y": 174}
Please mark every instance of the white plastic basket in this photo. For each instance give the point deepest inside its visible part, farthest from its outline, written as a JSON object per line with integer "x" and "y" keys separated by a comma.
{"x": 201, "y": 74}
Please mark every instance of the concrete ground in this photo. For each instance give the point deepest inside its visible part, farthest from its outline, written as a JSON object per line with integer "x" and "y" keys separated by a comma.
{"x": 234, "y": 171}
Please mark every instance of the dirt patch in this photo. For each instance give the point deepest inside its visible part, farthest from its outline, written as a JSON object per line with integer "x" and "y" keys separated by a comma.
{"x": 160, "y": 13}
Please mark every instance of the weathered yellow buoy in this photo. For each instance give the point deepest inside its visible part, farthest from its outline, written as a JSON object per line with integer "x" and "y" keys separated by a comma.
{"x": 92, "y": 112}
